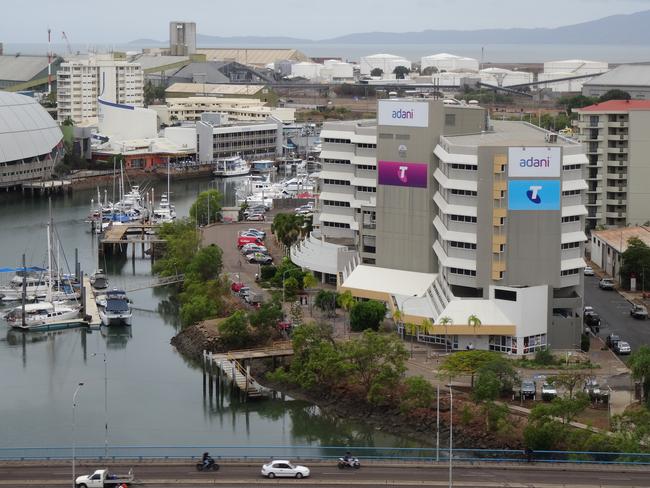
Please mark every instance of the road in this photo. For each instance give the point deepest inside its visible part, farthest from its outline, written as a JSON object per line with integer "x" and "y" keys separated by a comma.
{"x": 326, "y": 474}
{"x": 614, "y": 311}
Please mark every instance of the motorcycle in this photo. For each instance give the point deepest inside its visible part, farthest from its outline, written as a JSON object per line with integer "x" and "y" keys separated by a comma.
{"x": 349, "y": 463}
{"x": 211, "y": 466}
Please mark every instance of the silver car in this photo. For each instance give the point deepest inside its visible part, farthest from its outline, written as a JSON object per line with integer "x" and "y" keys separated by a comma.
{"x": 282, "y": 468}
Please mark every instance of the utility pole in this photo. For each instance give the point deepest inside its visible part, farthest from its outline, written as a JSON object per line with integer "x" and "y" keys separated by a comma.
{"x": 451, "y": 434}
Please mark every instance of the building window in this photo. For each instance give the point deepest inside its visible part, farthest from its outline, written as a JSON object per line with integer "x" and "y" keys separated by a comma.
{"x": 570, "y": 192}
{"x": 571, "y": 218}
{"x": 509, "y": 295}
{"x": 464, "y": 167}
{"x": 337, "y": 141}
{"x": 327, "y": 181}
{"x": 462, "y": 218}
{"x": 503, "y": 344}
{"x": 366, "y": 167}
{"x": 461, "y": 271}
{"x": 570, "y": 272}
{"x": 570, "y": 167}
{"x": 462, "y": 245}
{"x": 367, "y": 189}
{"x": 335, "y": 203}
{"x": 534, "y": 343}
{"x": 336, "y": 161}
{"x": 338, "y": 225}
{"x": 368, "y": 146}
{"x": 450, "y": 120}
{"x": 570, "y": 245}
{"x": 466, "y": 193}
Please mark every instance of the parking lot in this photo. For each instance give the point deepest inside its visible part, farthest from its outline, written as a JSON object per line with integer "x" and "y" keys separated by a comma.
{"x": 614, "y": 311}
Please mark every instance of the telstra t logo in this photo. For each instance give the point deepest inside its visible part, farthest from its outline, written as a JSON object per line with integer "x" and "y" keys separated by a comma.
{"x": 533, "y": 194}
{"x": 401, "y": 174}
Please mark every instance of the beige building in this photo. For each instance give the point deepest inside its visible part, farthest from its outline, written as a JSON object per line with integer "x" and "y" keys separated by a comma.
{"x": 617, "y": 138}
{"x": 252, "y": 57}
{"x": 259, "y": 92}
{"x": 607, "y": 247}
{"x": 238, "y": 109}
{"x": 81, "y": 82}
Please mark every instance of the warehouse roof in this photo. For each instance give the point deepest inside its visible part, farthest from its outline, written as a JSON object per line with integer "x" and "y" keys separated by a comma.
{"x": 21, "y": 68}
{"x": 624, "y": 75}
{"x": 256, "y": 57}
{"x": 151, "y": 62}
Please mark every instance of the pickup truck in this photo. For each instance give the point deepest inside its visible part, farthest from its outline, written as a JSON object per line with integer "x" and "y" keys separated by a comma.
{"x": 102, "y": 478}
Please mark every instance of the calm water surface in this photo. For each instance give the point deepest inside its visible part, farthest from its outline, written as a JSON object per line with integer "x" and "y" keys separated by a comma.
{"x": 155, "y": 396}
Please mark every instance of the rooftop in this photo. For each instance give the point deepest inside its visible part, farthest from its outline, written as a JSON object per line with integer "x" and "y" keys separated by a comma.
{"x": 21, "y": 68}
{"x": 392, "y": 281}
{"x": 617, "y": 238}
{"x": 214, "y": 89}
{"x": 617, "y": 106}
{"x": 255, "y": 56}
{"x": 624, "y": 75}
{"x": 511, "y": 133}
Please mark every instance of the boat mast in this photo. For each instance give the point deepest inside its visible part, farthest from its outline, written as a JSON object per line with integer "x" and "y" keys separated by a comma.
{"x": 24, "y": 297}
{"x": 49, "y": 256}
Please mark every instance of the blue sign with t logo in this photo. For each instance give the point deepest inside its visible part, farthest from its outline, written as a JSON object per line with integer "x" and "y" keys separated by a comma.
{"x": 534, "y": 194}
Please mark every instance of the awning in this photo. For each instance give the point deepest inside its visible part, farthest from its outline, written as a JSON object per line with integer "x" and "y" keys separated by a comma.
{"x": 449, "y": 208}
{"x": 573, "y": 237}
{"x": 372, "y": 182}
{"x": 574, "y": 210}
{"x": 455, "y": 184}
{"x": 449, "y": 262}
{"x": 450, "y": 235}
{"x": 572, "y": 263}
{"x": 30, "y": 269}
{"x": 336, "y": 175}
{"x": 339, "y": 197}
{"x": 572, "y": 185}
{"x": 446, "y": 157}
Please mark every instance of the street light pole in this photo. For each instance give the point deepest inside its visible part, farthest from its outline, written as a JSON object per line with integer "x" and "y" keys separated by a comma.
{"x": 283, "y": 275}
{"x": 105, "y": 401}
{"x": 74, "y": 442}
{"x": 451, "y": 434}
{"x": 438, "y": 423}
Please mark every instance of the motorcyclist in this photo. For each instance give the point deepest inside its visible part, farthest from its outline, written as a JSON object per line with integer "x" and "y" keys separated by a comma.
{"x": 348, "y": 457}
{"x": 207, "y": 460}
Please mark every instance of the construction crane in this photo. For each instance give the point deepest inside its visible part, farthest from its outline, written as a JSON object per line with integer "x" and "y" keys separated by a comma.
{"x": 67, "y": 41}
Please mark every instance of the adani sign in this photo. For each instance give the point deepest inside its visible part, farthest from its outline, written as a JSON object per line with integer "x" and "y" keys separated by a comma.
{"x": 413, "y": 175}
{"x": 402, "y": 113}
{"x": 534, "y": 162}
{"x": 534, "y": 194}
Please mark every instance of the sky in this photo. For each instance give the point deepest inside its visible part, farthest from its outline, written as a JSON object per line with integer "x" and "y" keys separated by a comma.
{"x": 119, "y": 21}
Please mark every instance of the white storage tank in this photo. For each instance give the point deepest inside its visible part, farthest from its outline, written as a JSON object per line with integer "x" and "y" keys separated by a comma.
{"x": 339, "y": 69}
{"x": 307, "y": 70}
{"x": 575, "y": 66}
{"x": 450, "y": 62}
{"x": 385, "y": 62}
{"x": 505, "y": 77}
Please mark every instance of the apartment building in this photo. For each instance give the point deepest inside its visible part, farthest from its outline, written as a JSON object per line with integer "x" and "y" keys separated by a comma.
{"x": 81, "y": 82}
{"x": 617, "y": 138}
{"x": 241, "y": 109}
{"x": 478, "y": 227}
{"x": 218, "y": 138}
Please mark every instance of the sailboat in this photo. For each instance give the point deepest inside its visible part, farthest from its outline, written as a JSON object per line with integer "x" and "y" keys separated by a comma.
{"x": 47, "y": 315}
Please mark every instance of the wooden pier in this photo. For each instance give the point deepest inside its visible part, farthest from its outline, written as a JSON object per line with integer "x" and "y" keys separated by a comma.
{"x": 90, "y": 305}
{"x": 118, "y": 238}
{"x": 234, "y": 367}
{"x": 47, "y": 187}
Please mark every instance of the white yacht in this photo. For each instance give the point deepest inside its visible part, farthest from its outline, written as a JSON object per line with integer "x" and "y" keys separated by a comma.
{"x": 42, "y": 316}
{"x": 263, "y": 166}
{"x": 233, "y": 166}
{"x": 165, "y": 212}
{"x": 114, "y": 308}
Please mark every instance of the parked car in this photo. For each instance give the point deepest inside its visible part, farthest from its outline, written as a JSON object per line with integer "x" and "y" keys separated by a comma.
{"x": 548, "y": 392}
{"x": 592, "y": 320}
{"x": 528, "y": 390}
{"x": 639, "y": 312}
{"x": 236, "y": 286}
{"x": 286, "y": 469}
{"x": 595, "y": 391}
{"x": 244, "y": 291}
{"x": 622, "y": 347}
{"x": 256, "y": 217}
{"x": 588, "y": 271}
{"x": 611, "y": 340}
{"x": 249, "y": 248}
{"x": 243, "y": 240}
{"x": 259, "y": 258}
{"x": 606, "y": 284}
{"x": 259, "y": 233}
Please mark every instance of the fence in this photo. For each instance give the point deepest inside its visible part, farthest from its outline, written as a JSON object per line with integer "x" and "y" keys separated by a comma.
{"x": 377, "y": 454}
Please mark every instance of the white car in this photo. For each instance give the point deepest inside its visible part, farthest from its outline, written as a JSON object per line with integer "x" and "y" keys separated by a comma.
{"x": 588, "y": 271}
{"x": 247, "y": 248}
{"x": 283, "y": 468}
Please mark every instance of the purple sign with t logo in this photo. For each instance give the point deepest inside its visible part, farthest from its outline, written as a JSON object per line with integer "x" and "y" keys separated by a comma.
{"x": 413, "y": 175}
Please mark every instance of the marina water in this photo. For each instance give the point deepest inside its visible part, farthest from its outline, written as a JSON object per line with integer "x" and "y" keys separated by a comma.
{"x": 155, "y": 396}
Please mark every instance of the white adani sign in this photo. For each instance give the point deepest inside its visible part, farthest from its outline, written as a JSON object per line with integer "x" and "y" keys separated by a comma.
{"x": 403, "y": 113}
{"x": 537, "y": 162}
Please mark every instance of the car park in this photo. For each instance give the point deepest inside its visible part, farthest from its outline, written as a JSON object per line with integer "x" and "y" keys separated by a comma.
{"x": 243, "y": 240}
{"x": 249, "y": 248}
{"x": 639, "y": 312}
{"x": 622, "y": 347}
{"x": 549, "y": 392}
{"x": 611, "y": 340}
{"x": 606, "y": 284}
{"x": 259, "y": 233}
{"x": 528, "y": 390}
{"x": 284, "y": 469}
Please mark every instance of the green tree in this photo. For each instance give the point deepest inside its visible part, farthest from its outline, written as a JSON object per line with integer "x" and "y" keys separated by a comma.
{"x": 367, "y": 315}
{"x": 377, "y": 72}
{"x": 636, "y": 260}
{"x": 640, "y": 367}
{"x": 504, "y": 371}
{"x": 543, "y": 436}
{"x": 466, "y": 363}
{"x": 418, "y": 393}
{"x": 474, "y": 321}
{"x": 207, "y": 207}
{"x": 564, "y": 408}
{"x": 378, "y": 361}
{"x": 400, "y": 72}
{"x": 346, "y": 301}
{"x": 615, "y": 94}
{"x": 291, "y": 287}
{"x": 429, "y": 70}
{"x": 568, "y": 380}
{"x": 318, "y": 362}
{"x": 181, "y": 244}
{"x": 289, "y": 228}
{"x": 296, "y": 314}
{"x": 206, "y": 264}
{"x": 265, "y": 318}
{"x": 569, "y": 103}
{"x": 325, "y": 300}
{"x": 309, "y": 282}
{"x": 234, "y": 331}
{"x": 197, "y": 308}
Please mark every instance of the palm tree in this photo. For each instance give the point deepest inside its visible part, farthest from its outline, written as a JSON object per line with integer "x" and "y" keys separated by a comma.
{"x": 309, "y": 281}
{"x": 446, "y": 321}
{"x": 347, "y": 301}
{"x": 473, "y": 321}
{"x": 426, "y": 325}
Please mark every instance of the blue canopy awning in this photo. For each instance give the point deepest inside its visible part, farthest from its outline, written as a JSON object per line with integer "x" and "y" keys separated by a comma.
{"x": 33, "y": 269}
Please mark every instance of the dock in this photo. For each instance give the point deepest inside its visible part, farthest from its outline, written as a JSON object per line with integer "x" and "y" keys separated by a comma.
{"x": 118, "y": 238}
{"x": 90, "y": 306}
{"x": 47, "y": 187}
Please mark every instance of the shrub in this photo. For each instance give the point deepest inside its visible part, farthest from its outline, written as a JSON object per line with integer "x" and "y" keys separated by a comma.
{"x": 367, "y": 315}
{"x": 418, "y": 393}
{"x": 545, "y": 357}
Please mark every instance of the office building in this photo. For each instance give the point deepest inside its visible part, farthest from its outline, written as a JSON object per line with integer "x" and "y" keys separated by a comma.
{"x": 81, "y": 82}
{"x": 182, "y": 38}
{"x": 31, "y": 143}
{"x": 218, "y": 138}
{"x": 617, "y": 137}
{"x": 238, "y": 109}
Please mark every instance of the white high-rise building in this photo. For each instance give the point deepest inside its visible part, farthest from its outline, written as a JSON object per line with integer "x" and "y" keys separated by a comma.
{"x": 81, "y": 82}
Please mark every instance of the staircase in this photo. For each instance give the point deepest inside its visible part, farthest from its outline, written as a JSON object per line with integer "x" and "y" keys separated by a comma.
{"x": 237, "y": 375}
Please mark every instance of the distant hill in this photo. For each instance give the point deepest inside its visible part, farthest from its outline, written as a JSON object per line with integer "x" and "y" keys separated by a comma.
{"x": 616, "y": 29}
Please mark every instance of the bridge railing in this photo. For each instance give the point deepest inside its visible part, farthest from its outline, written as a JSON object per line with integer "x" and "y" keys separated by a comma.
{"x": 370, "y": 454}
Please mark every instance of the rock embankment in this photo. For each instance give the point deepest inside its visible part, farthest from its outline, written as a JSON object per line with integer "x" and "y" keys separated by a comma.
{"x": 192, "y": 341}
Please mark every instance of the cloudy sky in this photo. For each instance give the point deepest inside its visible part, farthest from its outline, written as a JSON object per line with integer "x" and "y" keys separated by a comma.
{"x": 116, "y": 21}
